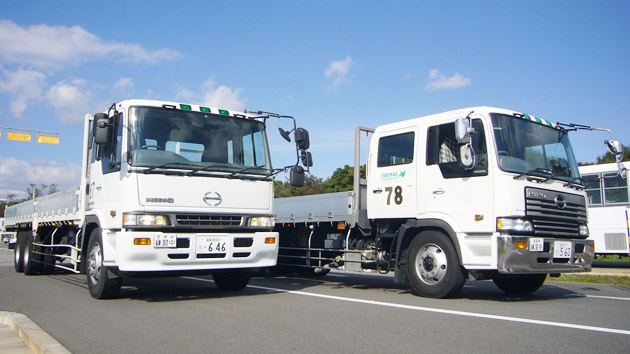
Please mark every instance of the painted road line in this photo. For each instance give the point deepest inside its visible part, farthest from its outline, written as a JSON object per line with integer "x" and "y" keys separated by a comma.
{"x": 441, "y": 311}
{"x": 602, "y": 297}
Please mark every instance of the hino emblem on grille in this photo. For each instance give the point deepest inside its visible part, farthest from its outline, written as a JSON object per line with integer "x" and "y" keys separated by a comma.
{"x": 561, "y": 203}
{"x": 212, "y": 198}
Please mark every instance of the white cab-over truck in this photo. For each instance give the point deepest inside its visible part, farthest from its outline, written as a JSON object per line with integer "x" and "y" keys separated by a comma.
{"x": 477, "y": 193}
{"x": 166, "y": 189}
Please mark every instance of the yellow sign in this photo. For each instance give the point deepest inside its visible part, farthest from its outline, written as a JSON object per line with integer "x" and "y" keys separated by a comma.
{"x": 47, "y": 139}
{"x": 18, "y": 136}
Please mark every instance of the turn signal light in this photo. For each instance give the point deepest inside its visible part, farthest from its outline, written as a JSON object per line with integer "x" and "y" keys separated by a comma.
{"x": 270, "y": 240}
{"x": 142, "y": 241}
{"x": 521, "y": 245}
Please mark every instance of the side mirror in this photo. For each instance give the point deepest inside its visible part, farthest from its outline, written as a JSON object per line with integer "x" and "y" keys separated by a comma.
{"x": 296, "y": 177}
{"x": 284, "y": 134}
{"x": 307, "y": 158}
{"x": 301, "y": 139}
{"x": 616, "y": 148}
{"x": 462, "y": 130}
{"x": 101, "y": 128}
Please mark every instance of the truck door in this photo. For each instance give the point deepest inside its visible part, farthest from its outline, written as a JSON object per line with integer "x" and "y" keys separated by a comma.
{"x": 391, "y": 190}
{"x": 460, "y": 196}
{"x": 104, "y": 175}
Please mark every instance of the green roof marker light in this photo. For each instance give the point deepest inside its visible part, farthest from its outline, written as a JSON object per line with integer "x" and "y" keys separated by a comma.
{"x": 185, "y": 106}
{"x": 224, "y": 112}
{"x": 204, "y": 109}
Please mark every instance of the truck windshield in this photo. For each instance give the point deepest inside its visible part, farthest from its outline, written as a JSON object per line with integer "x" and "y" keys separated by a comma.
{"x": 197, "y": 141}
{"x": 529, "y": 148}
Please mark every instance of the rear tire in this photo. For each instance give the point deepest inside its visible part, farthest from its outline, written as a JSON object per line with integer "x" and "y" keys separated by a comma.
{"x": 32, "y": 264}
{"x": 100, "y": 283}
{"x": 519, "y": 284}
{"x": 231, "y": 279}
{"x": 18, "y": 253}
{"x": 433, "y": 267}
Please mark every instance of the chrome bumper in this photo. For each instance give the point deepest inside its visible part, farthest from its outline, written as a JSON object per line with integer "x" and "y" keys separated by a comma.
{"x": 512, "y": 260}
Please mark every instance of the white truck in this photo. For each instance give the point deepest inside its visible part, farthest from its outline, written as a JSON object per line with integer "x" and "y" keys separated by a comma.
{"x": 477, "y": 193}
{"x": 166, "y": 189}
{"x": 608, "y": 208}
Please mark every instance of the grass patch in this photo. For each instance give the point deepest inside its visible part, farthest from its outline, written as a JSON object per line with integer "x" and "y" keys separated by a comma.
{"x": 613, "y": 258}
{"x": 594, "y": 279}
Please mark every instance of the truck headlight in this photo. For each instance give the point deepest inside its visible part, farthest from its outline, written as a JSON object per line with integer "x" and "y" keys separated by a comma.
{"x": 514, "y": 225}
{"x": 144, "y": 220}
{"x": 262, "y": 221}
{"x": 584, "y": 230}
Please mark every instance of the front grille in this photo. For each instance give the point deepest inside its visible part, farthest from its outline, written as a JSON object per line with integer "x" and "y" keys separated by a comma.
{"x": 555, "y": 214}
{"x": 208, "y": 220}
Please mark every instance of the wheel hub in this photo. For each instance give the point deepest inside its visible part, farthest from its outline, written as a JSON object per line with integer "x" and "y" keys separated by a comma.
{"x": 94, "y": 264}
{"x": 431, "y": 264}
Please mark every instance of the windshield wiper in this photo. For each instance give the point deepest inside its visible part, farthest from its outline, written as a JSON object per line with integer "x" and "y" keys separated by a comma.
{"x": 167, "y": 165}
{"x": 243, "y": 170}
{"x": 547, "y": 175}
{"x": 576, "y": 183}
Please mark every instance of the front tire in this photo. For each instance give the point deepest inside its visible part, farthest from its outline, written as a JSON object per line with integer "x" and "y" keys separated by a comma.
{"x": 231, "y": 279}
{"x": 519, "y": 284}
{"x": 433, "y": 267}
{"x": 100, "y": 283}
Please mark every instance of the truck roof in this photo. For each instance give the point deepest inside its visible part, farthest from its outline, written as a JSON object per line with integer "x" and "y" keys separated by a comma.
{"x": 461, "y": 113}
{"x": 606, "y": 167}
{"x": 184, "y": 106}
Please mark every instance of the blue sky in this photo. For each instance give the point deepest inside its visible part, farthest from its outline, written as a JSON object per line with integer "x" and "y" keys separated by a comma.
{"x": 332, "y": 65}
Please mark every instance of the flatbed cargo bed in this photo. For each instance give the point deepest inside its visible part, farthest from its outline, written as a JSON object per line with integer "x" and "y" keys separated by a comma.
{"x": 57, "y": 207}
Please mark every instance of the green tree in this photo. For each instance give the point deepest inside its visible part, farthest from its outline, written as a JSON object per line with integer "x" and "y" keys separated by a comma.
{"x": 342, "y": 179}
{"x": 312, "y": 185}
{"x": 610, "y": 158}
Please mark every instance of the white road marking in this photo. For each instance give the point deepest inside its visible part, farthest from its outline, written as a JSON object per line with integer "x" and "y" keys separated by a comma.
{"x": 603, "y": 297}
{"x": 442, "y": 311}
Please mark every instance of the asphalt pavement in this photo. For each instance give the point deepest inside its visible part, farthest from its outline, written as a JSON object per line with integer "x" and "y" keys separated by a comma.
{"x": 18, "y": 334}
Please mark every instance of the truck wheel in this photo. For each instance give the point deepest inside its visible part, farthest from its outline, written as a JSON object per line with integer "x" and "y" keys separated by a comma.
{"x": 18, "y": 253}
{"x": 433, "y": 267}
{"x": 32, "y": 264}
{"x": 232, "y": 279}
{"x": 520, "y": 284}
{"x": 100, "y": 284}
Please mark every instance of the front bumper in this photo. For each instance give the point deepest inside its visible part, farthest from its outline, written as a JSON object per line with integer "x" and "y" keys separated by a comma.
{"x": 246, "y": 250}
{"x": 512, "y": 260}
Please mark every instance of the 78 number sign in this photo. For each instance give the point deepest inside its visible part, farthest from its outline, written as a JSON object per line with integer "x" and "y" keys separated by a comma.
{"x": 398, "y": 197}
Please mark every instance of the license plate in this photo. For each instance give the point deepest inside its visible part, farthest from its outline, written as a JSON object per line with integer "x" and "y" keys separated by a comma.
{"x": 536, "y": 244}
{"x": 562, "y": 249}
{"x": 212, "y": 244}
{"x": 165, "y": 241}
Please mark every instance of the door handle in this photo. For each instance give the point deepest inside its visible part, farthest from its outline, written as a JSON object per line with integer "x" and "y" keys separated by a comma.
{"x": 378, "y": 190}
{"x": 438, "y": 191}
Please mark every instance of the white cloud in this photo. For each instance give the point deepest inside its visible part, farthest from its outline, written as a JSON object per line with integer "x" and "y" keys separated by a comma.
{"x": 71, "y": 101}
{"x": 123, "y": 87}
{"x": 16, "y": 175}
{"x": 53, "y": 47}
{"x": 439, "y": 81}
{"x": 339, "y": 70}
{"x": 24, "y": 87}
{"x": 222, "y": 96}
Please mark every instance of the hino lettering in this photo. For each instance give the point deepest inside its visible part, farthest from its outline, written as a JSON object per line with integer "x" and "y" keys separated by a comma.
{"x": 147, "y": 211}
{"x": 161, "y": 200}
